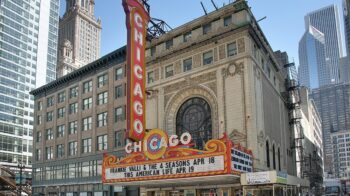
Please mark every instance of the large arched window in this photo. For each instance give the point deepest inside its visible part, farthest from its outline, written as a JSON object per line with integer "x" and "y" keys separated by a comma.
{"x": 274, "y": 156}
{"x": 194, "y": 116}
{"x": 267, "y": 154}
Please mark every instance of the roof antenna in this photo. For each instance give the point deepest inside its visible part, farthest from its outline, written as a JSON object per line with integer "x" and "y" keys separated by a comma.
{"x": 205, "y": 11}
{"x": 216, "y": 7}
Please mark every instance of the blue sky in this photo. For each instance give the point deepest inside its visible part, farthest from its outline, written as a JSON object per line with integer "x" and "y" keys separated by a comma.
{"x": 283, "y": 26}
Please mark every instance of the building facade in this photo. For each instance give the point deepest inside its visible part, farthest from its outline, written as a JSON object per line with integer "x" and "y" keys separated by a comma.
{"x": 344, "y": 69}
{"x": 82, "y": 117}
{"x": 313, "y": 70}
{"x": 79, "y": 36}
{"x": 333, "y": 104}
{"x": 341, "y": 151}
{"x": 313, "y": 142}
{"x": 214, "y": 76}
{"x": 326, "y": 20}
{"x": 26, "y": 32}
{"x": 346, "y": 14}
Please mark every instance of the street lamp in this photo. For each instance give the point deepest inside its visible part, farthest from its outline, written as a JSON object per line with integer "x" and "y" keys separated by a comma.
{"x": 21, "y": 166}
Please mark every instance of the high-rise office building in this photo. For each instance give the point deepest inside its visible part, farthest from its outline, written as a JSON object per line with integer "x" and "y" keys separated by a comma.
{"x": 346, "y": 9}
{"x": 326, "y": 20}
{"x": 333, "y": 104}
{"x": 79, "y": 36}
{"x": 341, "y": 151}
{"x": 345, "y": 61}
{"x": 28, "y": 41}
{"x": 313, "y": 70}
{"x": 344, "y": 68}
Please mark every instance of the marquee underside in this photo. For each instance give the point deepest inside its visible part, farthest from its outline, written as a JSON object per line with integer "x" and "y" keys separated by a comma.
{"x": 192, "y": 181}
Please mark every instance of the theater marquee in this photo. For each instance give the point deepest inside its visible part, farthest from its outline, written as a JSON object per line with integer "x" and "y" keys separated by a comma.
{"x": 173, "y": 162}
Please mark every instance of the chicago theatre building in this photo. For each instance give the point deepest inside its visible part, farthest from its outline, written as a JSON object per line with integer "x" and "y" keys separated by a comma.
{"x": 215, "y": 78}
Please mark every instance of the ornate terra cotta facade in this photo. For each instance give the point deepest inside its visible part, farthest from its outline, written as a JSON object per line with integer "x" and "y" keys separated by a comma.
{"x": 222, "y": 62}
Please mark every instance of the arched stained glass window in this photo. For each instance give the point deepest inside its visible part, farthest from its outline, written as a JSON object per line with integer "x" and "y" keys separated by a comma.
{"x": 194, "y": 116}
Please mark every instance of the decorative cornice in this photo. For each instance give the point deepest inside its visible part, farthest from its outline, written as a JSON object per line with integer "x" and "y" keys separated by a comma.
{"x": 118, "y": 55}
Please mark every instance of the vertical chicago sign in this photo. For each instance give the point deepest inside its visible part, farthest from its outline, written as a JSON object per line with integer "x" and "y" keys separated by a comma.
{"x": 137, "y": 19}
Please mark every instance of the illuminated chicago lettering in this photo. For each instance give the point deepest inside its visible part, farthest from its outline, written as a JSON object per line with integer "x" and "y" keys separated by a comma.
{"x": 155, "y": 143}
{"x": 137, "y": 20}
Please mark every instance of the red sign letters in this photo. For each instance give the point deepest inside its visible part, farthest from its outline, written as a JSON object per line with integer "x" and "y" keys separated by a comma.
{"x": 137, "y": 19}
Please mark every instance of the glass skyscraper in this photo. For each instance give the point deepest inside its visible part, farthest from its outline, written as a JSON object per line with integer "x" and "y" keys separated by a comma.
{"x": 28, "y": 55}
{"x": 346, "y": 8}
{"x": 313, "y": 70}
{"x": 326, "y": 20}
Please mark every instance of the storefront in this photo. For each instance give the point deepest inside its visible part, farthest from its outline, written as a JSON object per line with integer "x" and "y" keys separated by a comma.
{"x": 273, "y": 183}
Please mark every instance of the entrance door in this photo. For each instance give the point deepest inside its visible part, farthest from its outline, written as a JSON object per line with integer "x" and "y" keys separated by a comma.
{"x": 208, "y": 192}
{"x": 176, "y": 193}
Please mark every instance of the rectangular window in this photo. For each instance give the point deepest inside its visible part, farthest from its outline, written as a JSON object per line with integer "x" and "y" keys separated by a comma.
{"x": 232, "y": 49}
{"x": 169, "y": 71}
{"x": 263, "y": 64}
{"x": 50, "y": 101}
{"x": 59, "y": 150}
{"x": 208, "y": 58}
{"x": 227, "y": 20}
{"x": 150, "y": 77}
{"x": 73, "y": 127}
{"x": 119, "y": 139}
{"x": 71, "y": 171}
{"x": 187, "y": 36}
{"x": 153, "y": 51}
{"x": 102, "y": 119}
{"x": 87, "y": 86}
{"x": 118, "y": 91}
{"x": 38, "y": 154}
{"x": 102, "y": 80}
{"x": 102, "y": 98}
{"x": 49, "y": 116}
{"x": 87, "y": 103}
{"x": 187, "y": 64}
{"x": 49, "y": 153}
{"x": 73, "y": 108}
{"x": 169, "y": 44}
{"x": 61, "y": 112}
{"x": 39, "y": 120}
{"x": 49, "y": 134}
{"x": 87, "y": 123}
{"x": 206, "y": 28}
{"x": 102, "y": 142}
{"x": 119, "y": 73}
{"x": 38, "y": 136}
{"x": 73, "y": 148}
{"x": 119, "y": 116}
{"x": 73, "y": 92}
{"x": 268, "y": 71}
{"x": 40, "y": 105}
{"x": 60, "y": 130}
{"x": 86, "y": 145}
{"x": 61, "y": 97}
